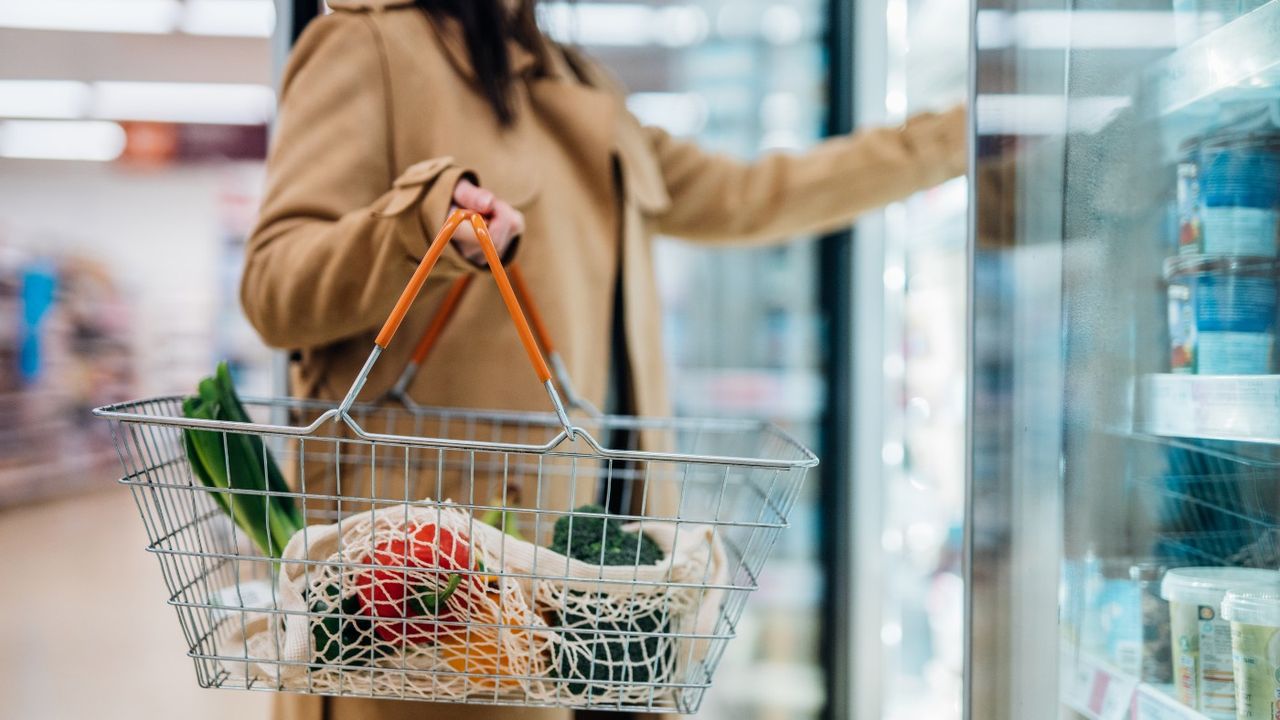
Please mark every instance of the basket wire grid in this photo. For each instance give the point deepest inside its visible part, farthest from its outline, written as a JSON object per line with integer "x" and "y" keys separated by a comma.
{"x": 623, "y": 638}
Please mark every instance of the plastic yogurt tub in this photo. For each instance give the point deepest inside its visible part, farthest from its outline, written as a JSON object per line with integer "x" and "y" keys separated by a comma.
{"x": 1255, "y": 649}
{"x": 1222, "y": 314}
{"x": 1202, "y": 663}
{"x": 1238, "y": 178}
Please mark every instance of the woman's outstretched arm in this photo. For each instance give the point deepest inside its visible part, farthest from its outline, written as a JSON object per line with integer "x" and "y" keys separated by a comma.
{"x": 717, "y": 198}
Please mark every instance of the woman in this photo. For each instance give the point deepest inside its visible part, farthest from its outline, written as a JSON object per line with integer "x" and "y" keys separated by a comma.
{"x": 395, "y": 111}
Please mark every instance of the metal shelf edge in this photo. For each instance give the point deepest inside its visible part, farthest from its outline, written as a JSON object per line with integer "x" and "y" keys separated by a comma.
{"x": 1236, "y": 408}
{"x": 1224, "y": 59}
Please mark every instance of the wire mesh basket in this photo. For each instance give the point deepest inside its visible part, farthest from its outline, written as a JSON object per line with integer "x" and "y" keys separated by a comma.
{"x": 445, "y": 554}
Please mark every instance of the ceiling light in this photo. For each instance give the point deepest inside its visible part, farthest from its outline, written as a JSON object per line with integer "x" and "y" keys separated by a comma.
{"x": 213, "y": 103}
{"x": 61, "y": 140}
{"x": 123, "y": 16}
{"x": 66, "y": 99}
{"x": 232, "y": 18}
{"x": 1095, "y": 29}
{"x": 1078, "y": 30}
{"x": 206, "y": 103}
{"x": 1025, "y": 114}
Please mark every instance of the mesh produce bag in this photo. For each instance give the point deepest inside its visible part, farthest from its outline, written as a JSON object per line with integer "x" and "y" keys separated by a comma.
{"x": 624, "y": 634}
{"x": 426, "y": 602}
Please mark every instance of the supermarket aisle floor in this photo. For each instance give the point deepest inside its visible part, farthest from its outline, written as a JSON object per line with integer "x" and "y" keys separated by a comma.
{"x": 84, "y": 630}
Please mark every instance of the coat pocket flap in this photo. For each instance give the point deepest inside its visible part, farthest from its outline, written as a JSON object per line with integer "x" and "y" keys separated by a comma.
{"x": 408, "y": 189}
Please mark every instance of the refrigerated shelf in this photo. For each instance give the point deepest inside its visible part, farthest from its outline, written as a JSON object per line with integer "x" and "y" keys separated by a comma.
{"x": 1240, "y": 60}
{"x": 1096, "y": 690}
{"x": 1238, "y": 408}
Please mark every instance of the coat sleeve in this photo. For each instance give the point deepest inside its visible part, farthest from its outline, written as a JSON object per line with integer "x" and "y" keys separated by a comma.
{"x": 339, "y": 234}
{"x": 716, "y": 198}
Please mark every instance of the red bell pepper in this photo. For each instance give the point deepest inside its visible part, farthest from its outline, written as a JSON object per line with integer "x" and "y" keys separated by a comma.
{"x": 418, "y": 582}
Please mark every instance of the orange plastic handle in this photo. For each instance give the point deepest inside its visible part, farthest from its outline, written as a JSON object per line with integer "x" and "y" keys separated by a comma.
{"x": 451, "y": 300}
{"x": 434, "y": 251}
{"x": 438, "y": 323}
{"x": 530, "y": 307}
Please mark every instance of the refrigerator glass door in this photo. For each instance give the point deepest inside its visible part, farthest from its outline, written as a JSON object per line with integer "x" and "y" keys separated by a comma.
{"x": 1125, "y": 391}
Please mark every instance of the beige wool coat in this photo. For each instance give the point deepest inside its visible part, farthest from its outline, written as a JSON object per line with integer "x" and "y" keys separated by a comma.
{"x": 380, "y": 117}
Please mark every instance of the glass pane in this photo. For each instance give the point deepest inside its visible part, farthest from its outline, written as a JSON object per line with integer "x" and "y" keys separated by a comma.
{"x": 1125, "y": 366}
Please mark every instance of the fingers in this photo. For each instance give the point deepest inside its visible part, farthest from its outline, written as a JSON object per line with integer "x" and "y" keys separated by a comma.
{"x": 467, "y": 195}
{"x": 504, "y": 221}
{"x": 505, "y": 225}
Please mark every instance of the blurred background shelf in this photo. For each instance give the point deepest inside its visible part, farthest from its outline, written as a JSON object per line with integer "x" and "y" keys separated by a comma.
{"x": 63, "y": 475}
{"x": 1239, "y": 408}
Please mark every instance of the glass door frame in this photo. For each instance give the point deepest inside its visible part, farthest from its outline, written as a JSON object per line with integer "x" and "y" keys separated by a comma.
{"x": 838, "y": 442}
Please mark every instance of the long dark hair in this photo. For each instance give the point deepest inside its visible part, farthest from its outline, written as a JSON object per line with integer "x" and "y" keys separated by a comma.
{"x": 487, "y": 26}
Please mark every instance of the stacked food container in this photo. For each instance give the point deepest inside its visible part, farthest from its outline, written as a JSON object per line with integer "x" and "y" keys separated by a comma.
{"x": 1223, "y": 622}
{"x": 1223, "y": 314}
{"x": 1222, "y": 283}
{"x": 1193, "y": 620}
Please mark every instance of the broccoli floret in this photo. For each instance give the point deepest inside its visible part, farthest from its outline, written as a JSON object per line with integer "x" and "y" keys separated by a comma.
{"x": 614, "y": 658}
{"x": 602, "y": 541}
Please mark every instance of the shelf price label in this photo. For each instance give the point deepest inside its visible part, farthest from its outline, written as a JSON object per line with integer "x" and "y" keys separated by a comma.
{"x": 1112, "y": 697}
{"x": 1096, "y": 691}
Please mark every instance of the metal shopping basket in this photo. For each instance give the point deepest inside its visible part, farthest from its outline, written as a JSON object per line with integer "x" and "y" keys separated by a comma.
{"x": 445, "y": 555}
